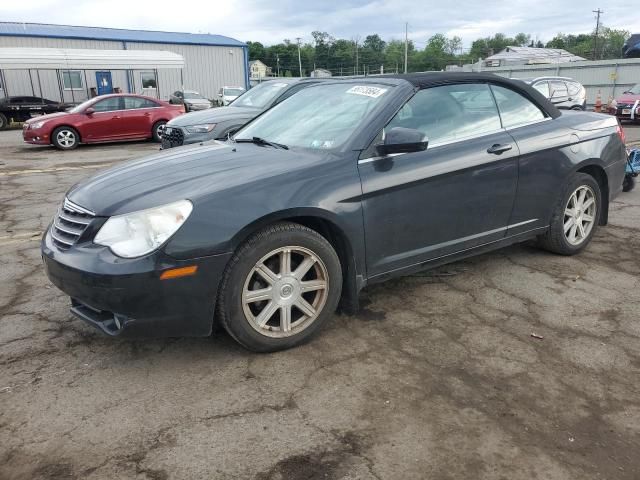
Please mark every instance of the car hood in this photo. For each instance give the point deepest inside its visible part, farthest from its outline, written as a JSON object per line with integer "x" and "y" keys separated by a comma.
{"x": 49, "y": 116}
{"x": 189, "y": 172}
{"x": 214, "y": 115}
{"x": 627, "y": 98}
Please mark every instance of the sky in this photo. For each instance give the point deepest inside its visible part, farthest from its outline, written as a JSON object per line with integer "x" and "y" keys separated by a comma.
{"x": 271, "y": 21}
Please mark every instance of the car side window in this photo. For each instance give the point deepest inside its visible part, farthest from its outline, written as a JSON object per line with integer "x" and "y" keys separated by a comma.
{"x": 514, "y": 108}
{"x": 543, "y": 88}
{"x": 573, "y": 88}
{"x": 449, "y": 113}
{"x": 108, "y": 104}
{"x": 558, "y": 89}
{"x": 131, "y": 103}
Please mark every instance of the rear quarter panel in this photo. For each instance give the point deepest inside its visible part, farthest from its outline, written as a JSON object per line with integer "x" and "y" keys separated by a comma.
{"x": 552, "y": 151}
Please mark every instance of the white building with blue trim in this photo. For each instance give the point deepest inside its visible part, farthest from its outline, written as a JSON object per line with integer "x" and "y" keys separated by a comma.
{"x": 210, "y": 62}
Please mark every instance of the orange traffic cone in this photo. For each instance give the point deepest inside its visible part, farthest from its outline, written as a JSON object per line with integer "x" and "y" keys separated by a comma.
{"x": 598, "y": 106}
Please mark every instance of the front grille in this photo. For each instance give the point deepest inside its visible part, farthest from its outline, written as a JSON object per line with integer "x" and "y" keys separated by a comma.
{"x": 69, "y": 224}
{"x": 172, "y": 137}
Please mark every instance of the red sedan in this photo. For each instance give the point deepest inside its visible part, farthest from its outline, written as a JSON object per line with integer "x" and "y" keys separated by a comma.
{"x": 108, "y": 118}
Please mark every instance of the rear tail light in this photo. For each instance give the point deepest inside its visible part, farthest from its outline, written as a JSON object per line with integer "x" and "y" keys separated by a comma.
{"x": 621, "y": 133}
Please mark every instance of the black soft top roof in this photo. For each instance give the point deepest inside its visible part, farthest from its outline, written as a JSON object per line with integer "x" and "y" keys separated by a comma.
{"x": 431, "y": 79}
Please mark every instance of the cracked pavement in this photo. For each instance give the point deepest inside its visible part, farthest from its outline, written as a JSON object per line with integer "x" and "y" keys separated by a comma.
{"x": 437, "y": 377}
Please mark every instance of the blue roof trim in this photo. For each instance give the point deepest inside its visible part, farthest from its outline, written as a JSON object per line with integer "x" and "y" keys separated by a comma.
{"x": 15, "y": 29}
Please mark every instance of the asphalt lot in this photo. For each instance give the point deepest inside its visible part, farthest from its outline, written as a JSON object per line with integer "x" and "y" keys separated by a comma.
{"x": 438, "y": 377}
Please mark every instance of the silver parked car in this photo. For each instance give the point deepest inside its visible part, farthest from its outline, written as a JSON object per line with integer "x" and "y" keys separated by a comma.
{"x": 226, "y": 95}
{"x": 191, "y": 100}
{"x": 563, "y": 92}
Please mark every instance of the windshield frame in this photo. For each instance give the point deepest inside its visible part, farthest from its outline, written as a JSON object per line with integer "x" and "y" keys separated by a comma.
{"x": 362, "y": 134}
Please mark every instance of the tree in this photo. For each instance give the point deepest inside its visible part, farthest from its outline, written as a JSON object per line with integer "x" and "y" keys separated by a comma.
{"x": 256, "y": 51}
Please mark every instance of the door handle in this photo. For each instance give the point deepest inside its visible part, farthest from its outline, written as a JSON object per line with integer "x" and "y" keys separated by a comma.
{"x": 147, "y": 114}
{"x": 498, "y": 148}
{"x": 115, "y": 117}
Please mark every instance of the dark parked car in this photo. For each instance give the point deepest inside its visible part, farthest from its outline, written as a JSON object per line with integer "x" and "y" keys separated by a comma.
{"x": 564, "y": 93}
{"x": 631, "y": 48}
{"x": 107, "y": 118}
{"x": 345, "y": 184}
{"x": 22, "y": 108}
{"x": 218, "y": 123}
{"x": 191, "y": 100}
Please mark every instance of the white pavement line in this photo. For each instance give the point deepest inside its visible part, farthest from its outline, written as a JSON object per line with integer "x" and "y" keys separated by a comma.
{"x": 12, "y": 173}
{"x": 20, "y": 237}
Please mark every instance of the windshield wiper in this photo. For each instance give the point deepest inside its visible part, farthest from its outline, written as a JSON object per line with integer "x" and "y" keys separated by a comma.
{"x": 261, "y": 141}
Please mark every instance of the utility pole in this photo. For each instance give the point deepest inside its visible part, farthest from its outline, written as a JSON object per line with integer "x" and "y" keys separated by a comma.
{"x": 278, "y": 64}
{"x": 299, "y": 59}
{"x": 357, "y": 59}
{"x": 598, "y": 12}
{"x": 406, "y": 45}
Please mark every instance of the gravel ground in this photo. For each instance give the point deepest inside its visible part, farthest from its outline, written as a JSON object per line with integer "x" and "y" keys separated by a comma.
{"x": 438, "y": 377}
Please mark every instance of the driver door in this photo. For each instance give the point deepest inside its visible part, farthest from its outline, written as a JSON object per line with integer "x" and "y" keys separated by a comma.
{"x": 455, "y": 195}
{"x": 106, "y": 122}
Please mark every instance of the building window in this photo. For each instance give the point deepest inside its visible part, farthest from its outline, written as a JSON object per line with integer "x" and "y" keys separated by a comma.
{"x": 72, "y": 79}
{"x": 148, "y": 80}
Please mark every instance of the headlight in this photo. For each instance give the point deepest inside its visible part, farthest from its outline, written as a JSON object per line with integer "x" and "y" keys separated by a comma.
{"x": 38, "y": 124}
{"x": 138, "y": 233}
{"x": 203, "y": 128}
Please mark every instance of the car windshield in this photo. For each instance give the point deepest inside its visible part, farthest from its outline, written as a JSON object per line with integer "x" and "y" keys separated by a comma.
{"x": 80, "y": 108}
{"x": 635, "y": 90}
{"x": 319, "y": 117}
{"x": 233, "y": 92}
{"x": 261, "y": 95}
{"x": 192, "y": 95}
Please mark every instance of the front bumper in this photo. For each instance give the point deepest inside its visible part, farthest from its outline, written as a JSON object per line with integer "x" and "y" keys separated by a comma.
{"x": 126, "y": 296}
{"x": 36, "y": 137}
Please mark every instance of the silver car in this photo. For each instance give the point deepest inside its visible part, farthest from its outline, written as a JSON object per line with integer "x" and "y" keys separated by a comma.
{"x": 218, "y": 123}
{"x": 226, "y": 95}
{"x": 563, "y": 92}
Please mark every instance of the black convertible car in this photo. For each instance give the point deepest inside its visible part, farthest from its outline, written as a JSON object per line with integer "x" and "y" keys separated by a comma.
{"x": 344, "y": 184}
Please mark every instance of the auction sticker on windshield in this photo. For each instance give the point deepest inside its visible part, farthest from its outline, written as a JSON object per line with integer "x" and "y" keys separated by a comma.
{"x": 373, "y": 92}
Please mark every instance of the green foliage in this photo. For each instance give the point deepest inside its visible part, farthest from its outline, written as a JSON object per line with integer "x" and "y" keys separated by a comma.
{"x": 351, "y": 56}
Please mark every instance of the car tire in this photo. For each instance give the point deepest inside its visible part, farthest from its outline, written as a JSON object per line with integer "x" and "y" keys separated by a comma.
{"x": 287, "y": 305}
{"x": 577, "y": 107}
{"x": 575, "y": 217}
{"x": 156, "y": 131}
{"x": 629, "y": 183}
{"x": 65, "y": 138}
{"x": 4, "y": 123}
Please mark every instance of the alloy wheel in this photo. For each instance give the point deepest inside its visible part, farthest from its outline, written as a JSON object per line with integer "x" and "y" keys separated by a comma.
{"x": 285, "y": 291}
{"x": 580, "y": 215}
{"x": 66, "y": 138}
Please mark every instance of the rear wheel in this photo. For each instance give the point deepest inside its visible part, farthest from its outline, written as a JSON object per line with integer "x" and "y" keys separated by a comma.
{"x": 575, "y": 218}
{"x": 157, "y": 130}
{"x": 279, "y": 288}
{"x": 65, "y": 138}
{"x": 4, "y": 123}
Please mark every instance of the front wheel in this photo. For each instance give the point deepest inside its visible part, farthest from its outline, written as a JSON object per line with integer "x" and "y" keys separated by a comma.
{"x": 4, "y": 123}
{"x": 157, "y": 130}
{"x": 65, "y": 138}
{"x": 575, "y": 218}
{"x": 279, "y": 288}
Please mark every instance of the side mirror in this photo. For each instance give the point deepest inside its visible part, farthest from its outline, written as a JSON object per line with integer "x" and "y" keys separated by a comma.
{"x": 89, "y": 111}
{"x": 402, "y": 140}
